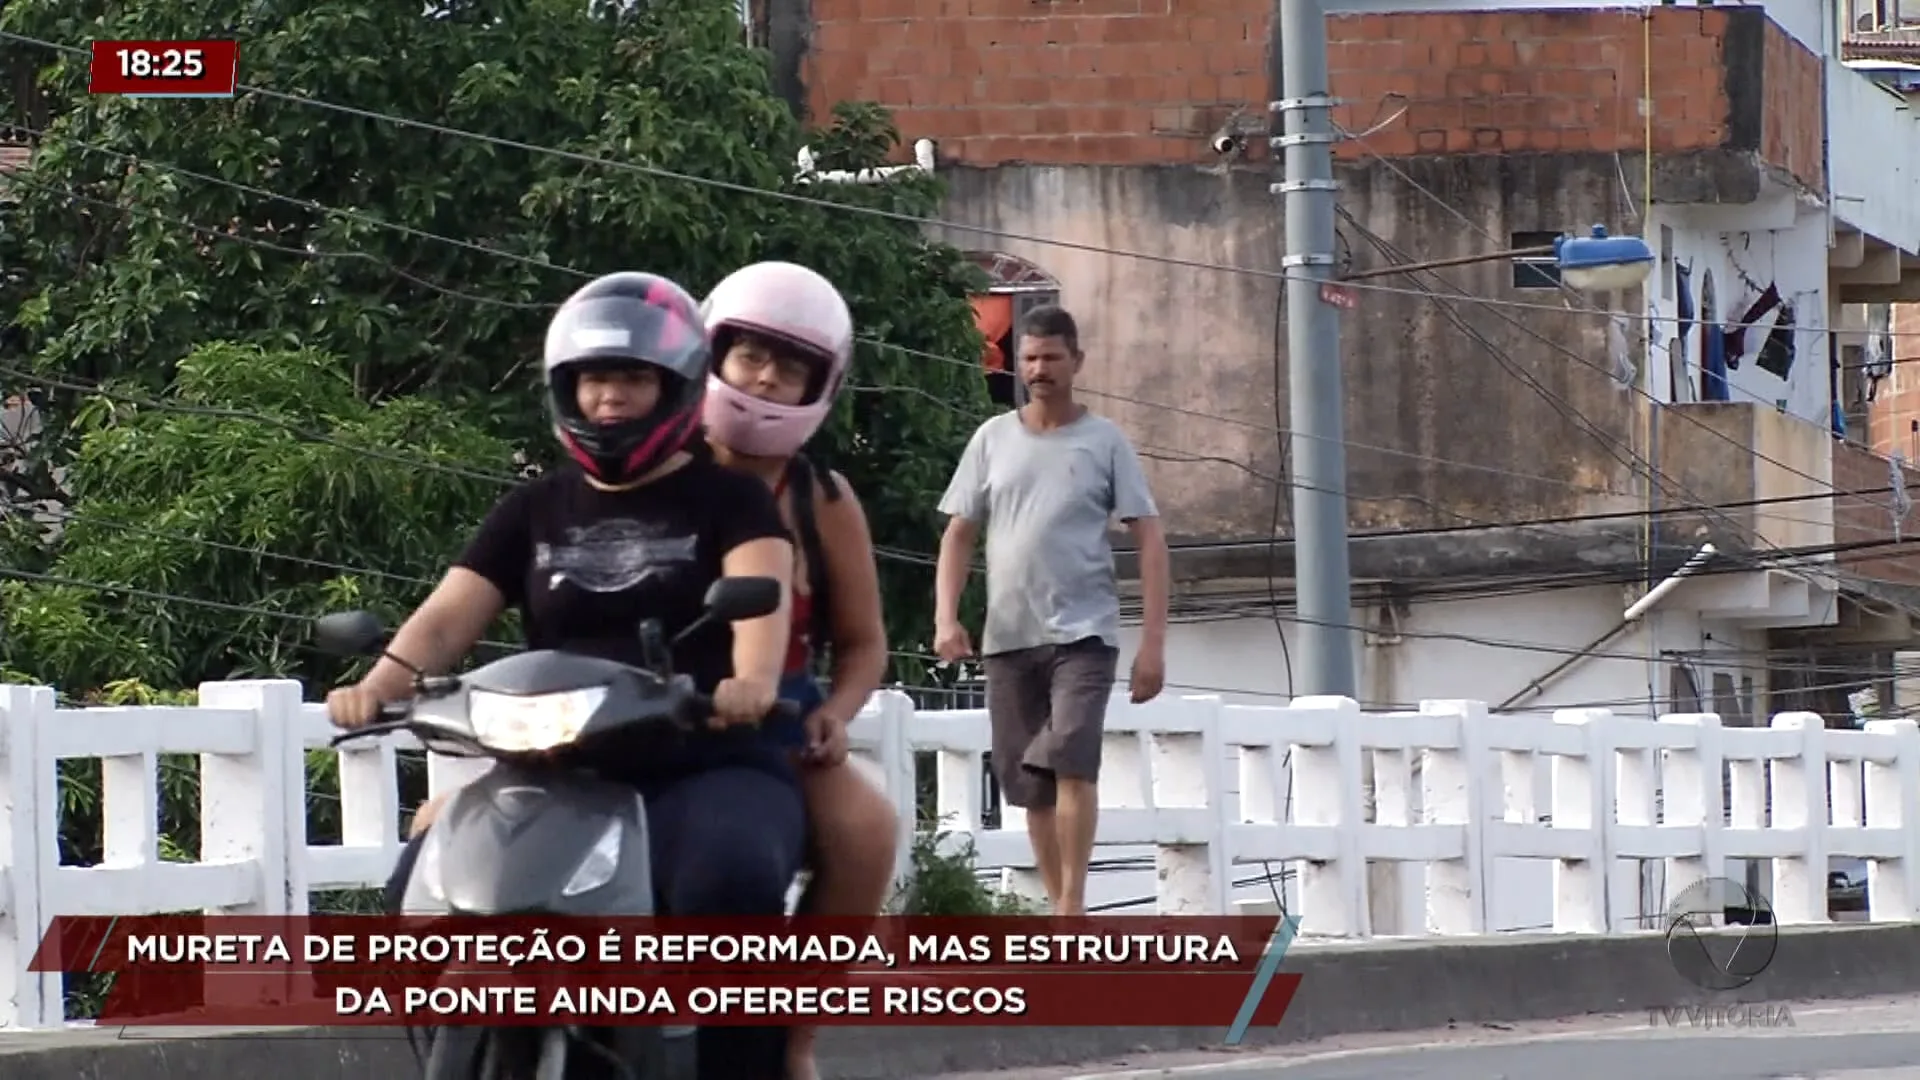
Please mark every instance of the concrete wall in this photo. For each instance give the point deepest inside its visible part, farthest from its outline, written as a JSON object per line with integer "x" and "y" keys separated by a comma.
{"x": 1871, "y": 518}
{"x": 1876, "y": 157}
{"x": 1442, "y": 652}
{"x": 1201, "y": 343}
{"x": 1093, "y": 128}
{"x": 1728, "y": 270}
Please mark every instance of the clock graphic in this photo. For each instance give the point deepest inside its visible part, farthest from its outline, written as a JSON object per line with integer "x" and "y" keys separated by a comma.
{"x": 165, "y": 68}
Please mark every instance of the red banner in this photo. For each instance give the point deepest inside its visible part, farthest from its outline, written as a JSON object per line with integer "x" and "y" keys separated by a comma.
{"x": 348, "y": 970}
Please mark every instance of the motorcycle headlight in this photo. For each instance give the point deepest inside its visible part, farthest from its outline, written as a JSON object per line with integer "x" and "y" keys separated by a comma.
{"x": 512, "y": 723}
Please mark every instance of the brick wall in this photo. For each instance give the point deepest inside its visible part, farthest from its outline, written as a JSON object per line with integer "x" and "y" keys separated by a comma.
{"x": 1795, "y": 128}
{"x": 1868, "y": 518}
{"x": 1517, "y": 81}
{"x": 1080, "y": 81}
{"x": 1894, "y": 412}
{"x": 1146, "y": 81}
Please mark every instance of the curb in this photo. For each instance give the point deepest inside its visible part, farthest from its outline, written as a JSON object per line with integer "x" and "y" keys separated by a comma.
{"x": 1362, "y": 988}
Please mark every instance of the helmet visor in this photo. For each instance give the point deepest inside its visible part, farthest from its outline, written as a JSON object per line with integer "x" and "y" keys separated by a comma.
{"x": 613, "y": 331}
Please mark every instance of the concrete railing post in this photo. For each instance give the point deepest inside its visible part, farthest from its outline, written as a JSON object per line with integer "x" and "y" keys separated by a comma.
{"x": 1583, "y": 804}
{"x": 1799, "y": 785}
{"x": 1451, "y": 797}
{"x": 1746, "y": 782}
{"x": 1636, "y": 797}
{"x": 369, "y": 773}
{"x": 896, "y": 770}
{"x": 29, "y": 852}
{"x": 1694, "y": 801}
{"x": 1892, "y": 798}
{"x": 1188, "y": 773}
{"x": 1327, "y": 794}
{"x": 252, "y": 808}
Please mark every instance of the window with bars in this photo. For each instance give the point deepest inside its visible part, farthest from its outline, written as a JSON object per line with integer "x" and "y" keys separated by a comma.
{"x": 1535, "y": 271}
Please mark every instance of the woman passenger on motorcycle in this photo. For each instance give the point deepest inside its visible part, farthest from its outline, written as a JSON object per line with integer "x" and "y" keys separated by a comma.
{"x": 635, "y": 526}
{"x": 782, "y": 342}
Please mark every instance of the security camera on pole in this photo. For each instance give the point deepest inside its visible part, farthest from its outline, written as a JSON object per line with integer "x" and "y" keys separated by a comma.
{"x": 1323, "y": 587}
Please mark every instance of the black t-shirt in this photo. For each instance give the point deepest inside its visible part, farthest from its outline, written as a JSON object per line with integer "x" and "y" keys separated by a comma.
{"x": 585, "y": 566}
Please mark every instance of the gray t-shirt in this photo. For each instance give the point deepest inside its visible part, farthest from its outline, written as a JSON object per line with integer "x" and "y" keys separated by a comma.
{"x": 1046, "y": 500}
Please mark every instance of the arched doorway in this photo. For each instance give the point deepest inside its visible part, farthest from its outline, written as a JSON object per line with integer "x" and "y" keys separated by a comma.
{"x": 1018, "y": 286}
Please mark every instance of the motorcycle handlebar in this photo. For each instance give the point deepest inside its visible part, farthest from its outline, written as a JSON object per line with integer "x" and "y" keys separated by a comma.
{"x": 399, "y": 712}
{"x": 782, "y": 709}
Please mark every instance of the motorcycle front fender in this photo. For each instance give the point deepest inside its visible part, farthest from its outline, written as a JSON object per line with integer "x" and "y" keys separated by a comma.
{"x": 518, "y": 841}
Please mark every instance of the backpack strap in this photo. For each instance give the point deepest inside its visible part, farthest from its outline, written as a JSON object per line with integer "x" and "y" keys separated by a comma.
{"x": 801, "y": 477}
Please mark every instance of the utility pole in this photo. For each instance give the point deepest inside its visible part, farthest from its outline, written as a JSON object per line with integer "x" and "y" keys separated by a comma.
{"x": 1323, "y": 585}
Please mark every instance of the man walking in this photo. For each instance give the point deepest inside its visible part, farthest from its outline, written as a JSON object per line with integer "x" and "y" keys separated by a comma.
{"x": 1045, "y": 480}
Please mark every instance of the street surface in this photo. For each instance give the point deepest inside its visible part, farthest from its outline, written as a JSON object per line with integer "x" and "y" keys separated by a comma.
{"x": 1869, "y": 1039}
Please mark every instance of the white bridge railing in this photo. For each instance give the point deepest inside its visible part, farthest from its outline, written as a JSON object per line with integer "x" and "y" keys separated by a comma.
{"x": 1453, "y": 795}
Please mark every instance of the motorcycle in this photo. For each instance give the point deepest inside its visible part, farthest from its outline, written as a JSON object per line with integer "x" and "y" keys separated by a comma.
{"x": 538, "y": 834}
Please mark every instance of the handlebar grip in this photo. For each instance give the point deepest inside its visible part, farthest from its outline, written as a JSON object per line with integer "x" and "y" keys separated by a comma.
{"x": 782, "y": 709}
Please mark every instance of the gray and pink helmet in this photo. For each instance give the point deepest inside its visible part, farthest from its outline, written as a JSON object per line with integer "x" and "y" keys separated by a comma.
{"x": 627, "y": 320}
{"x": 792, "y": 306}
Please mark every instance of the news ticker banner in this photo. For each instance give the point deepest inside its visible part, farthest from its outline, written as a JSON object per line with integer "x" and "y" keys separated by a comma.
{"x": 164, "y": 68}
{"x": 1187, "y": 971}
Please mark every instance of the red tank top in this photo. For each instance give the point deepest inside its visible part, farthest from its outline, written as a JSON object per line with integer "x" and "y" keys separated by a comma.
{"x": 799, "y": 637}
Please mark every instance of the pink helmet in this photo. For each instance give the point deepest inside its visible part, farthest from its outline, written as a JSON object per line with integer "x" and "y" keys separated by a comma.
{"x": 797, "y": 308}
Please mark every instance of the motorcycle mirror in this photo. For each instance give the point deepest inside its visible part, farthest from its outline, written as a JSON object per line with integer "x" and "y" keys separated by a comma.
{"x": 732, "y": 599}
{"x": 349, "y": 633}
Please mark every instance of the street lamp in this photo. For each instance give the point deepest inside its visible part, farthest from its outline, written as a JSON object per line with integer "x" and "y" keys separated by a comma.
{"x": 1602, "y": 263}
{"x": 1593, "y": 263}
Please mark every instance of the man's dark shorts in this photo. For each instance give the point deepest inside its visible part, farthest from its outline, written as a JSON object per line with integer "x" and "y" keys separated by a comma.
{"x": 1048, "y": 709}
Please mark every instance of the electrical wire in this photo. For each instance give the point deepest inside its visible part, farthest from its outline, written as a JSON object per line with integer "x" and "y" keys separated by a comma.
{"x": 1572, "y": 412}
{"x": 917, "y": 221}
{"x": 665, "y": 174}
{"x": 747, "y": 189}
{"x": 877, "y": 343}
{"x": 225, "y": 413}
{"x": 226, "y": 234}
{"x": 161, "y": 596}
{"x": 431, "y": 465}
{"x": 1651, "y": 470}
{"x": 1720, "y": 660}
{"x": 588, "y": 158}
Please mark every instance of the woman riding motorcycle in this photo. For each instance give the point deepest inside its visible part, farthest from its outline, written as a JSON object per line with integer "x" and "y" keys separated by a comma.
{"x": 783, "y": 340}
{"x": 637, "y": 526}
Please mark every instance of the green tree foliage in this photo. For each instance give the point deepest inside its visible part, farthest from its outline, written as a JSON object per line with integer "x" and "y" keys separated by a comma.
{"x": 333, "y": 320}
{"x": 150, "y": 487}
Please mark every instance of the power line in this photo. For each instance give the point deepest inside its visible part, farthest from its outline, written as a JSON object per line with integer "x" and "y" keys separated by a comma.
{"x": 227, "y": 235}
{"x": 895, "y": 554}
{"x": 724, "y": 185}
{"x": 877, "y": 343}
{"x": 1718, "y": 661}
{"x": 1434, "y": 197}
{"x": 1573, "y": 413}
{"x": 1387, "y": 247}
{"x": 257, "y": 611}
{"x": 918, "y": 221}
